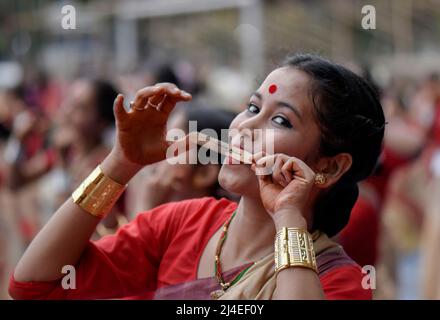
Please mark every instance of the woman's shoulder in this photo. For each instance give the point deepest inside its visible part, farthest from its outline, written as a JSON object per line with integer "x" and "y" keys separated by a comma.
{"x": 194, "y": 211}
{"x": 192, "y": 206}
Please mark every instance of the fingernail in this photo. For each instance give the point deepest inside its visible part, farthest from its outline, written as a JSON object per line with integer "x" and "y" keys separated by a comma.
{"x": 262, "y": 172}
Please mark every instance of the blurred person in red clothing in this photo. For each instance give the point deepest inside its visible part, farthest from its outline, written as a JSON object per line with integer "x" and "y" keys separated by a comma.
{"x": 24, "y": 130}
{"x": 80, "y": 139}
{"x": 408, "y": 195}
{"x": 431, "y": 225}
{"x": 26, "y": 156}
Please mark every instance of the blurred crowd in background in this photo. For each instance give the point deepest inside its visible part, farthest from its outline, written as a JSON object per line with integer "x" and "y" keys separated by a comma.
{"x": 57, "y": 89}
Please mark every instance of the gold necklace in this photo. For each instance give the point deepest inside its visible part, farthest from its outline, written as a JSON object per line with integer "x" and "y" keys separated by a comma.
{"x": 217, "y": 265}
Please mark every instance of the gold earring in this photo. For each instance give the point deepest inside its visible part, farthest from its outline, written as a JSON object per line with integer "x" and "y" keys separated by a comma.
{"x": 320, "y": 178}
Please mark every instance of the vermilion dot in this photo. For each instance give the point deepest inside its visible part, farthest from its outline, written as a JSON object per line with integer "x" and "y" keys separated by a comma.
{"x": 272, "y": 88}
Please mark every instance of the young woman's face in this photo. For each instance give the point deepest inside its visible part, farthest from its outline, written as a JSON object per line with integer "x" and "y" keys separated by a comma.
{"x": 282, "y": 104}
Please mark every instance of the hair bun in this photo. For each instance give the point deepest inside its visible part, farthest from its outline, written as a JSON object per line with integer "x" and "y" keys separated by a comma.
{"x": 333, "y": 208}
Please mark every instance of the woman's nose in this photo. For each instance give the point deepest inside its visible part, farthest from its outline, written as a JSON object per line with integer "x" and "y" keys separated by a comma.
{"x": 251, "y": 130}
{"x": 252, "y": 123}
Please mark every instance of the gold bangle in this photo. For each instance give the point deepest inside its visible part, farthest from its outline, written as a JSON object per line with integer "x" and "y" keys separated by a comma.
{"x": 294, "y": 248}
{"x": 97, "y": 194}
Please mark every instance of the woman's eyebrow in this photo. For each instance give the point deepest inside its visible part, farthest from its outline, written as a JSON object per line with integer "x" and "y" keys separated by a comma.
{"x": 286, "y": 105}
{"x": 257, "y": 94}
{"x": 281, "y": 104}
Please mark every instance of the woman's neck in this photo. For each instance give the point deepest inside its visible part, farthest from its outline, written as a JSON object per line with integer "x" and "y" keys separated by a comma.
{"x": 252, "y": 231}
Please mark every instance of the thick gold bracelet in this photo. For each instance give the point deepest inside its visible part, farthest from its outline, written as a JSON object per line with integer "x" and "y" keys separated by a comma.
{"x": 294, "y": 248}
{"x": 97, "y": 194}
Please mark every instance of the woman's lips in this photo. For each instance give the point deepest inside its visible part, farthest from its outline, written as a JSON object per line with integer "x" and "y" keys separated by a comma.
{"x": 231, "y": 160}
{"x": 240, "y": 155}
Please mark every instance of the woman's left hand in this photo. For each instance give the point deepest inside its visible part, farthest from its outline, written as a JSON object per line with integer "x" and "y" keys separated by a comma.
{"x": 287, "y": 188}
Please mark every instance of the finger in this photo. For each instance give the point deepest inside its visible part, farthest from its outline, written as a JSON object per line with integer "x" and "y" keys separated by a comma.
{"x": 167, "y": 85}
{"x": 173, "y": 91}
{"x": 144, "y": 94}
{"x": 264, "y": 166}
{"x": 263, "y": 171}
{"x": 162, "y": 102}
{"x": 160, "y": 106}
{"x": 255, "y": 157}
{"x": 258, "y": 156}
{"x": 181, "y": 95}
{"x": 264, "y": 180}
{"x": 277, "y": 176}
{"x": 166, "y": 100}
{"x": 157, "y": 101}
{"x": 170, "y": 103}
{"x": 118, "y": 109}
{"x": 266, "y": 160}
{"x": 186, "y": 96}
{"x": 286, "y": 171}
{"x": 301, "y": 171}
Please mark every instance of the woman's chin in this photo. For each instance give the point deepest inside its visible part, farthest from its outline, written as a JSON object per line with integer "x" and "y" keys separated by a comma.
{"x": 238, "y": 179}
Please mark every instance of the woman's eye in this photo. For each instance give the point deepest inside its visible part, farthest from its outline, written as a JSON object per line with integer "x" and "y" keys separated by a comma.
{"x": 282, "y": 121}
{"x": 253, "y": 108}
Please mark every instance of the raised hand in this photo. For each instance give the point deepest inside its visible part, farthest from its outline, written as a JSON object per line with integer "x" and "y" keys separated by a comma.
{"x": 141, "y": 132}
{"x": 285, "y": 182}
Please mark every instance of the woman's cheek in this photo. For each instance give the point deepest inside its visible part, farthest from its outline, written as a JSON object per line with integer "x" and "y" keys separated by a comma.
{"x": 288, "y": 144}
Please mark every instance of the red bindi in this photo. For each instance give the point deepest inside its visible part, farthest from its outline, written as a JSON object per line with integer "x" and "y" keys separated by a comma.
{"x": 272, "y": 89}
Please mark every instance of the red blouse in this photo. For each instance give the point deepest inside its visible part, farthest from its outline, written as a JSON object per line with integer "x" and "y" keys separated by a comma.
{"x": 162, "y": 247}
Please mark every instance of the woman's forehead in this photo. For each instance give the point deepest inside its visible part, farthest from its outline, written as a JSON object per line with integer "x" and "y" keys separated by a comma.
{"x": 285, "y": 82}
{"x": 287, "y": 85}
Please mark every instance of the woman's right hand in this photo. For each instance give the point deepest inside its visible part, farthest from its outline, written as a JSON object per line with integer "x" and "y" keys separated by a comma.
{"x": 141, "y": 132}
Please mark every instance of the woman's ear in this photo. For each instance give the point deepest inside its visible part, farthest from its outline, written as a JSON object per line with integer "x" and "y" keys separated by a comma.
{"x": 205, "y": 176}
{"x": 333, "y": 168}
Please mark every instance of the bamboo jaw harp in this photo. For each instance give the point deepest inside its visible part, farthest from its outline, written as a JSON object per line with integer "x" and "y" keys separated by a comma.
{"x": 218, "y": 146}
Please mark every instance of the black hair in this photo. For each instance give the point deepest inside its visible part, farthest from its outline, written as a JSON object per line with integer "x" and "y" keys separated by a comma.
{"x": 104, "y": 94}
{"x": 351, "y": 120}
